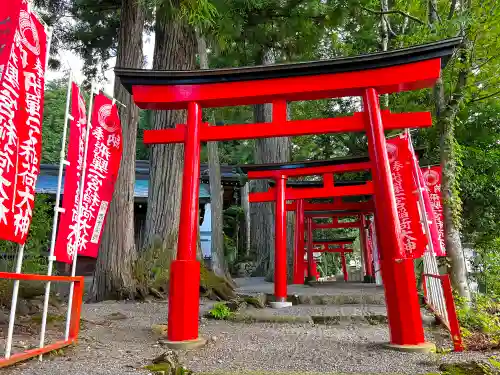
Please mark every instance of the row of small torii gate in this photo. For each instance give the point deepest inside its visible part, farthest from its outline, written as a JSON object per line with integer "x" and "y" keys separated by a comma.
{"x": 305, "y": 202}
{"x": 366, "y": 76}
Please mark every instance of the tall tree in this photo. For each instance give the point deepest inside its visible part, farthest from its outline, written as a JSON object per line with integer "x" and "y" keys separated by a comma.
{"x": 113, "y": 277}
{"x": 219, "y": 264}
{"x": 467, "y": 78}
{"x": 175, "y": 49}
{"x": 269, "y": 150}
{"x": 97, "y": 31}
{"x": 446, "y": 112}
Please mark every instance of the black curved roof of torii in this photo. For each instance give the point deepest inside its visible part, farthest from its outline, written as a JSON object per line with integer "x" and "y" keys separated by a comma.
{"x": 442, "y": 49}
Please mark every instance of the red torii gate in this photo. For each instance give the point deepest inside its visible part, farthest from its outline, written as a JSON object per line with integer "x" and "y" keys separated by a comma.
{"x": 365, "y": 76}
{"x": 282, "y": 192}
{"x": 327, "y": 210}
{"x": 324, "y": 246}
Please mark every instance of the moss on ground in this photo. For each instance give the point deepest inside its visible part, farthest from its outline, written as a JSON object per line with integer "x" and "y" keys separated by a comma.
{"x": 50, "y": 318}
{"x": 289, "y": 373}
{"x": 215, "y": 287}
{"x": 255, "y": 318}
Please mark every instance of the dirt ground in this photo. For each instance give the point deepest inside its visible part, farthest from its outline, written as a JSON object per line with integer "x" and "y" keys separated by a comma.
{"x": 117, "y": 338}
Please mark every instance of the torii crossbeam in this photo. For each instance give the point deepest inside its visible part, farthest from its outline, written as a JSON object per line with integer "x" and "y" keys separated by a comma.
{"x": 366, "y": 76}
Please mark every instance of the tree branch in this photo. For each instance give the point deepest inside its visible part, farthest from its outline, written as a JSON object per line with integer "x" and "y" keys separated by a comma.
{"x": 452, "y": 9}
{"x": 485, "y": 97}
{"x": 400, "y": 12}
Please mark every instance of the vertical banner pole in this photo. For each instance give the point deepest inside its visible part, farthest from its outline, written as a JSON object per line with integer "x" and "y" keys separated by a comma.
{"x": 436, "y": 292}
{"x": 13, "y": 305}
{"x": 49, "y": 31}
{"x": 376, "y": 256}
{"x": 20, "y": 253}
{"x": 57, "y": 210}
{"x": 80, "y": 201}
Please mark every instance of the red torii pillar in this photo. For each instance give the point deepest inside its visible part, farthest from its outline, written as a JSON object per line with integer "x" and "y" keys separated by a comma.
{"x": 310, "y": 259}
{"x": 298, "y": 264}
{"x": 344, "y": 266}
{"x": 403, "y": 307}
{"x": 367, "y": 254}
{"x": 373, "y": 75}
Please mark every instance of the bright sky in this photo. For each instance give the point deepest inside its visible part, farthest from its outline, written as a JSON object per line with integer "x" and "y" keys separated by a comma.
{"x": 70, "y": 59}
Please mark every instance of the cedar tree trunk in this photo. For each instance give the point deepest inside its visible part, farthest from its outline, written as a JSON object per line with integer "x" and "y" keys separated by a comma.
{"x": 175, "y": 49}
{"x": 113, "y": 276}
{"x": 268, "y": 150}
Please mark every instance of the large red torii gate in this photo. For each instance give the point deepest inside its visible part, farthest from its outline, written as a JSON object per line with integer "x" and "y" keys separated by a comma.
{"x": 365, "y": 76}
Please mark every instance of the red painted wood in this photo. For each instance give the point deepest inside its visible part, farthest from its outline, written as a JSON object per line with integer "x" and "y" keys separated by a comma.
{"x": 309, "y": 193}
{"x": 403, "y": 308}
{"x": 344, "y": 266}
{"x": 187, "y": 242}
{"x": 398, "y": 78}
{"x": 367, "y": 254}
{"x": 333, "y": 242}
{"x": 19, "y": 357}
{"x": 337, "y": 205}
{"x": 326, "y": 170}
{"x": 284, "y": 128}
{"x": 354, "y": 224}
{"x": 184, "y": 300}
{"x": 327, "y": 192}
{"x": 75, "y": 315}
{"x": 30, "y": 276}
{"x": 280, "y": 258}
{"x": 452, "y": 323}
{"x": 337, "y": 250}
{"x": 298, "y": 261}
{"x": 184, "y": 286}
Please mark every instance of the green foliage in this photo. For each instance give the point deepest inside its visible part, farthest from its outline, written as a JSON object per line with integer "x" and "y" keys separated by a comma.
{"x": 480, "y": 324}
{"x": 220, "y": 311}
{"x": 231, "y": 224}
{"x": 487, "y": 266}
{"x": 53, "y": 120}
{"x": 37, "y": 244}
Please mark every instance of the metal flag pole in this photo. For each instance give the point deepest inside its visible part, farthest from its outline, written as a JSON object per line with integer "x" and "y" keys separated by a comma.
{"x": 430, "y": 265}
{"x": 376, "y": 256}
{"x": 13, "y": 305}
{"x": 20, "y": 253}
{"x": 80, "y": 201}
{"x": 57, "y": 208}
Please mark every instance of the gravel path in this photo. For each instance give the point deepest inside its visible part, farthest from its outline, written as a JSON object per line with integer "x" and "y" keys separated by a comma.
{"x": 259, "y": 285}
{"x": 124, "y": 346}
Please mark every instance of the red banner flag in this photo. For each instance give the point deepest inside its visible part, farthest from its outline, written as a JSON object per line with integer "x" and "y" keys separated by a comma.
{"x": 9, "y": 19}
{"x": 68, "y": 224}
{"x": 21, "y": 112}
{"x": 432, "y": 179}
{"x": 103, "y": 162}
{"x": 405, "y": 189}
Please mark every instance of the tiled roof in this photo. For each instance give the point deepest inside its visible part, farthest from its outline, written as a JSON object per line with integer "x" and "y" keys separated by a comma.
{"x": 47, "y": 184}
